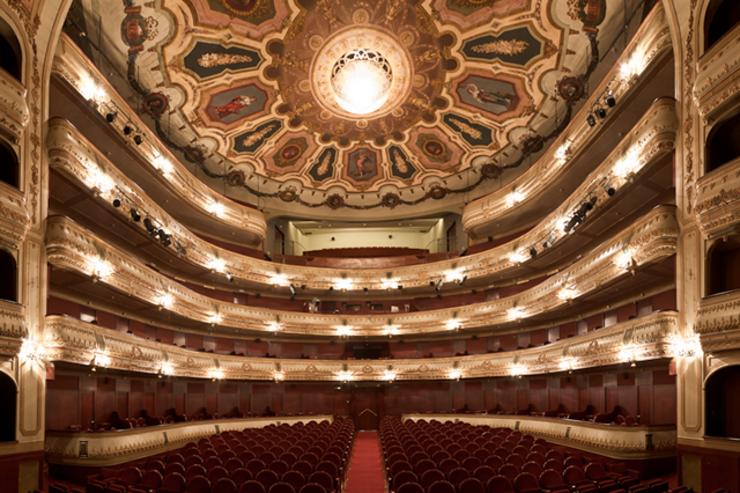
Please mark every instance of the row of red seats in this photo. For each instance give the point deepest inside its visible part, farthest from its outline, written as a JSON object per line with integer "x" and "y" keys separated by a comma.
{"x": 434, "y": 457}
{"x": 300, "y": 458}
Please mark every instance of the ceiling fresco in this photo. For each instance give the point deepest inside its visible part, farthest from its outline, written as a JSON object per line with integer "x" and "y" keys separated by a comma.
{"x": 243, "y": 90}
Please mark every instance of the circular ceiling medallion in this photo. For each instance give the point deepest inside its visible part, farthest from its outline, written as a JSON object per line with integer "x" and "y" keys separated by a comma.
{"x": 361, "y": 72}
{"x": 371, "y": 75}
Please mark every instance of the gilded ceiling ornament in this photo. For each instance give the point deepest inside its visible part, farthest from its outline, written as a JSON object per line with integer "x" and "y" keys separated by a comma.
{"x": 210, "y": 60}
{"x": 502, "y": 47}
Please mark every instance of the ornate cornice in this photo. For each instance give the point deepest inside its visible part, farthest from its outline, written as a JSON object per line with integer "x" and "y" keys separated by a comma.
{"x": 718, "y": 321}
{"x": 71, "y": 65}
{"x": 649, "y": 239}
{"x": 718, "y": 200}
{"x": 74, "y": 341}
{"x": 718, "y": 77}
{"x": 71, "y": 154}
{"x": 15, "y": 217}
{"x": 623, "y": 442}
{"x": 653, "y": 40}
{"x": 14, "y": 114}
{"x": 117, "y": 447}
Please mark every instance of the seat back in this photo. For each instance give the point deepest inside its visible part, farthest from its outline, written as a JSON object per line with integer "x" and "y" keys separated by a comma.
{"x": 198, "y": 484}
{"x": 525, "y": 482}
{"x": 281, "y": 487}
{"x": 252, "y": 486}
{"x": 410, "y": 488}
{"x": 471, "y": 485}
{"x": 441, "y": 486}
{"x": 174, "y": 483}
{"x": 499, "y": 484}
{"x": 224, "y": 485}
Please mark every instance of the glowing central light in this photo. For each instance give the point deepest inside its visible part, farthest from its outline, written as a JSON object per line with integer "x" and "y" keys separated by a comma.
{"x": 361, "y": 80}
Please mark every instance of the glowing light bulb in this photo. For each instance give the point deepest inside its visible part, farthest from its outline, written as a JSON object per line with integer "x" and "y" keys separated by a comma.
{"x": 389, "y": 283}
{"x": 344, "y": 376}
{"x": 216, "y": 208}
{"x": 567, "y": 293}
{"x": 274, "y": 326}
{"x": 514, "y": 198}
{"x": 628, "y": 164}
{"x": 633, "y": 66}
{"x": 517, "y": 257}
{"x": 167, "y": 368}
{"x": 279, "y": 279}
{"x": 518, "y": 369}
{"x": 515, "y": 313}
{"x": 99, "y": 268}
{"x": 453, "y": 324}
{"x": 91, "y": 90}
{"x": 344, "y": 330}
{"x": 454, "y": 374}
{"x": 217, "y": 264}
{"x": 389, "y": 375}
{"x": 163, "y": 164}
{"x": 101, "y": 359}
{"x": 343, "y": 284}
{"x": 454, "y": 275}
{"x": 361, "y": 80}
{"x": 215, "y": 318}
{"x": 31, "y": 351}
{"x": 567, "y": 363}
{"x": 98, "y": 180}
{"x": 278, "y": 376}
{"x": 685, "y": 347}
{"x": 216, "y": 374}
{"x": 165, "y": 300}
{"x": 624, "y": 259}
{"x": 391, "y": 330}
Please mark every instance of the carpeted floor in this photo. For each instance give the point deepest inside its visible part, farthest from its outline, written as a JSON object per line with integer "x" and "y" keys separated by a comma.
{"x": 365, "y": 474}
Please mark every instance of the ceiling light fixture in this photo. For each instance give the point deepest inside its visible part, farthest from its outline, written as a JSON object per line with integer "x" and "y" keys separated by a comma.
{"x": 361, "y": 80}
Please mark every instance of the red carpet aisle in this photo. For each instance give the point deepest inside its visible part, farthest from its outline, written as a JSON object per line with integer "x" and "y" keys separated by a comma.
{"x": 366, "y": 465}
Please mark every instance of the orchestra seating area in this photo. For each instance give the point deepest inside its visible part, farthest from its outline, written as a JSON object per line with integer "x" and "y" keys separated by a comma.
{"x": 299, "y": 458}
{"x": 456, "y": 457}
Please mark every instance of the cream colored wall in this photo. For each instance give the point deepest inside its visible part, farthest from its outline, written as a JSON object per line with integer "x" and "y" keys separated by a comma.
{"x": 366, "y": 237}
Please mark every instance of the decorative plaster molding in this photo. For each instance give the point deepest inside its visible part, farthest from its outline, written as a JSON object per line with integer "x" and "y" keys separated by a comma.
{"x": 718, "y": 200}
{"x": 653, "y": 40}
{"x": 73, "y": 341}
{"x": 650, "y": 238}
{"x": 12, "y": 320}
{"x": 117, "y": 447}
{"x": 70, "y": 153}
{"x": 623, "y": 442}
{"x": 718, "y": 321}
{"x": 718, "y": 77}
{"x": 71, "y": 65}
{"x": 15, "y": 216}
{"x": 14, "y": 113}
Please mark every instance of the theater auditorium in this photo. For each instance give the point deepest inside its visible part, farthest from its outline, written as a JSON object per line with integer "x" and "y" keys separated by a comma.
{"x": 369, "y": 246}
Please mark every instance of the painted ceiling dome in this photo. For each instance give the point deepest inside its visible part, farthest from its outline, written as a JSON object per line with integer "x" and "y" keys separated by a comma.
{"x": 354, "y": 107}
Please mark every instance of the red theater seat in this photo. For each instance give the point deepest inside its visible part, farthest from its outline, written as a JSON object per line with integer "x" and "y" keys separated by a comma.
{"x": 471, "y": 485}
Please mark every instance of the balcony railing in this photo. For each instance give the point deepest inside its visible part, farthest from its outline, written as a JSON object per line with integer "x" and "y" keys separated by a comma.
{"x": 649, "y": 239}
{"x": 641, "y": 339}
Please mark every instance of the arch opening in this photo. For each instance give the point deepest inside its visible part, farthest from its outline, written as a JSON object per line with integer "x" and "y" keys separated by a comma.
{"x": 9, "y": 165}
{"x": 723, "y": 143}
{"x": 723, "y": 403}
{"x": 721, "y": 17}
{"x": 11, "y": 58}
{"x": 9, "y": 274}
{"x": 7, "y": 408}
{"x": 724, "y": 266}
